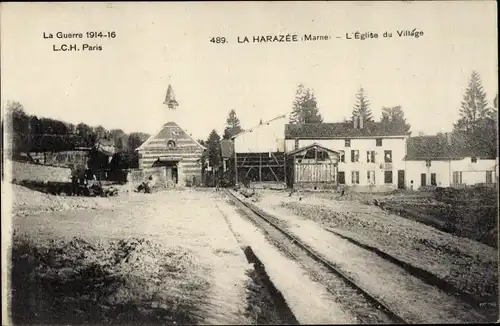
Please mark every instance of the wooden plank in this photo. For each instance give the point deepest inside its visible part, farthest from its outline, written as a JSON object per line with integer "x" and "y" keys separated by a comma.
{"x": 235, "y": 168}
{"x": 275, "y": 176}
{"x": 248, "y": 172}
{"x": 260, "y": 166}
{"x": 315, "y": 172}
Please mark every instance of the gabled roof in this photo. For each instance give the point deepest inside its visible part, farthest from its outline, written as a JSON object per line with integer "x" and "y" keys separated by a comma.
{"x": 227, "y": 148}
{"x": 441, "y": 147}
{"x": 166, "y": 125}
{"x": 283, "y": 116}
{"x": 338, "y": 130}
{"x": 315, "y": 145}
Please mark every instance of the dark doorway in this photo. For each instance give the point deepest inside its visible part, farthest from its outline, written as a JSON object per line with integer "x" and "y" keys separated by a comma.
{"x": 171, "y": 169}
{"x": 401, "y": 179}
{"x": 433, "y": 179}
{"x": 423, "y": 179}
{"x": 342, "y": 177}
{"x": 175, "y": 174}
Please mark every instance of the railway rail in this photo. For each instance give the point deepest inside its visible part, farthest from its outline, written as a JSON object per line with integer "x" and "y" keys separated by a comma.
{"x": 377, "y": 306}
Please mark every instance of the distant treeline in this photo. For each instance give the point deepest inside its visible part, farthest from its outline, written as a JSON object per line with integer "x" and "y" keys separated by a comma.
{"x": 30, "y": 133}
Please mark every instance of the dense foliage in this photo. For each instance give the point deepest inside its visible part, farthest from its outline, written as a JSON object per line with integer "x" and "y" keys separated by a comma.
{"x": 30, "y": 133}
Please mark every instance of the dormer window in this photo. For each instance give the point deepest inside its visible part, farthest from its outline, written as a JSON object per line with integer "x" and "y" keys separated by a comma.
{"x": 428, "y": 163}
{"x": 347, "y": 143}
{"x": 378, "y": 142}
{"x": 473, "y": 159}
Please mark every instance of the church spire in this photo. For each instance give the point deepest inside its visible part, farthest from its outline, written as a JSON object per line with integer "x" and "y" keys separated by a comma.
{"x": 170, "y": 100}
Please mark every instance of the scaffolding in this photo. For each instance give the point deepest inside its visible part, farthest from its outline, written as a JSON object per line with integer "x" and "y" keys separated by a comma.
{"x": 260, "y": 167}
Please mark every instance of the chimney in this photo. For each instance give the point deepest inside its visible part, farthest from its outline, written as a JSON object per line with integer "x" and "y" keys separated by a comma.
{"x": 360, "y": 121}
{"x": 355, "y": 122}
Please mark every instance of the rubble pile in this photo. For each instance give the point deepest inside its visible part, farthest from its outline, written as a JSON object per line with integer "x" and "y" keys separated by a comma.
{"x": 250, "y": 193}
{"x": 78, "y": 281}
{"x": 26, "y": 201}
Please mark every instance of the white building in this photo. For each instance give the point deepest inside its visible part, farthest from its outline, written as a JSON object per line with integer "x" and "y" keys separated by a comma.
{"x": 372, "y": 159}
{"x": 446, "y": 161}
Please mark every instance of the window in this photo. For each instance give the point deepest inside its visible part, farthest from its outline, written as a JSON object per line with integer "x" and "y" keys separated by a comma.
{"x": 296, "y": 143}
{"x": 433, "y": 179}
{"x": 489, "y": 176}
{"x": 171, "y": 144}
{"x": 370, "y": 156}
{"x": 347, "y": 143}
{"x": 427, "y": 163}
{"x": 342, "y": 157}
{"x": 457, "y": 177}
{"x": 387, "y": 176}
{"x": 473, "y": 159}
{"x": 423, "y": 179}
{"x": 342, "y": 177}
{"x": 370, "y": 177}
{"x": 322, "y": 155}
{"x": 378, "y": 142}
{"x": 388, "y": 156}
{"x": 355, "y": 177}
{"x": 354, "y": 155}
{"x": 310, "y": 154}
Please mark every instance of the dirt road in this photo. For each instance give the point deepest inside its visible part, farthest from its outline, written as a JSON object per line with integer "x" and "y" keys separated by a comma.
{"x": 164, "y": 257}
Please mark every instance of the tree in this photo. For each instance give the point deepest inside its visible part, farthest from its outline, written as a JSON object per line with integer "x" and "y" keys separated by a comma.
{"x": 17, "y": 126}
{"x": 477, "y": 122}
{"x": 135, "y": 139}
{"x": 213, "y": 145}
{"x": 393, "y": 120}
{"x": 362, "y": 106}
{"x": 232, "y": 125}
{"x": 100, "y": 132}
{"x": 305, "y": 107}
{"x": 86, "y": 132}
{"x": 118, "y": 137}
{"x": 474, "y": 106}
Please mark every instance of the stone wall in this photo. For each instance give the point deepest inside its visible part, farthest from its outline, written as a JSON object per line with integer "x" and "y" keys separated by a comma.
{"x": 37, "y": 172}
{"x": 136, "y": 176}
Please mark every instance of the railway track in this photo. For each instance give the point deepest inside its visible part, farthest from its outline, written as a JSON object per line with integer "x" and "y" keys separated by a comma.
{"x": 367, "y": 307}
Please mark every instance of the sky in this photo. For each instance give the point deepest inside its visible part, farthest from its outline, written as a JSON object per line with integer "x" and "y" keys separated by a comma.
{"x": 124, "y": 85}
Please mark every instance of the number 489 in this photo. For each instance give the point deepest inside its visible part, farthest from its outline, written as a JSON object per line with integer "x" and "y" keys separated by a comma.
{"x": 219, "y": 40}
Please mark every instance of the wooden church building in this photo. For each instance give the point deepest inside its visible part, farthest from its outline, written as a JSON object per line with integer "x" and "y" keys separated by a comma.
{"x": 172, "y": 151}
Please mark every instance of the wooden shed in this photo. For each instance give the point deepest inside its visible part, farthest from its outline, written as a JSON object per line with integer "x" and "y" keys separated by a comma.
{"x": 259, "y": 153}
{"x": 313, "y": 166}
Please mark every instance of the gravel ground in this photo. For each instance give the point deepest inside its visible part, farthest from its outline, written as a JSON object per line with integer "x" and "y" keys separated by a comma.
{"x": 308, "y": 300}
{"x": 166, "y": 257}
{"x": 469, "y": 265}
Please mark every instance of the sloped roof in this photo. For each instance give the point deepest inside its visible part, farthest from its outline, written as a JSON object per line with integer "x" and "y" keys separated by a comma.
{"x": 227, "y": 148}
{"x": 283, "y": 116}
{"x": 164, "y": 130}
{"x": 316, "y": 145}
{"x": 338, "y": 130}
{"x": 440, "y": 147}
